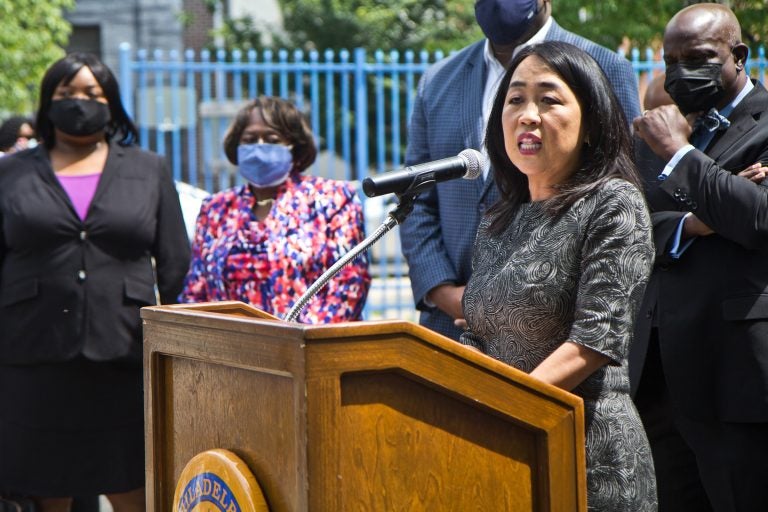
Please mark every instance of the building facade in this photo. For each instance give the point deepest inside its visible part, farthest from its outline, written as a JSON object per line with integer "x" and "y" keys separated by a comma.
{"x": 100, "y": 26}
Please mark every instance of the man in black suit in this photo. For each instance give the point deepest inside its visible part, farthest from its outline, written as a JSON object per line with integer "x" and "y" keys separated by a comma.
{"x": 700, "y": 354}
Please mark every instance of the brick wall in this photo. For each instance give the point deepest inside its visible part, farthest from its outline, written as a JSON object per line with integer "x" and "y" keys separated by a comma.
{"x": 198, "y": 23}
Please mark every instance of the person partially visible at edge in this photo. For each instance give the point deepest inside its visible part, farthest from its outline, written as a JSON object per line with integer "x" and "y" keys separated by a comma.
{"x": 17, "y": 133}
{"x": 450, "y": 112}
{"x": 265, "y": 242}
{"x": 91, "y": 228}
{"x": 699, "y": 363}
{"x": 655, "y": 95}
{"x": 562, "y": 258}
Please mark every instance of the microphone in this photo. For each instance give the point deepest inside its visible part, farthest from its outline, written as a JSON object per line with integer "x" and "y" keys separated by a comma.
{"x": 417, "y": 178}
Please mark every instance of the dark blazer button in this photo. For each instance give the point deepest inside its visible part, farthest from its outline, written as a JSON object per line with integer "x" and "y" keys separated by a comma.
{"x": 664, "y": 266}
{"x": 81, "y": 275}
{"x": 694, "y": 205}
{"x": 481, "y": 208}
{"x": 649, "y": 313}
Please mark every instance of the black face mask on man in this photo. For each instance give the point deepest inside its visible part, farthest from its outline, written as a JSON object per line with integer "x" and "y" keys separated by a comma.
{"x": 79, "y": 117}
{"x": 695, "y": 88}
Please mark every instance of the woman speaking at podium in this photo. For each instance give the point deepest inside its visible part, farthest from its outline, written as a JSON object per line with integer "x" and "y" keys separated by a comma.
{"x": 562, "y": 260}
{"x": 266, "y": 241}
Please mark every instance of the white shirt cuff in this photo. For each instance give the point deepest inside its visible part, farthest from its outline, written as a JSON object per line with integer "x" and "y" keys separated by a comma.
{"x": 677, "y": 249}
{"x": 674, "y": 161}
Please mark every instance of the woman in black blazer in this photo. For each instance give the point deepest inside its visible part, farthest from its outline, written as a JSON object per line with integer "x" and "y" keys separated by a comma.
{"x": 90, "y": 231}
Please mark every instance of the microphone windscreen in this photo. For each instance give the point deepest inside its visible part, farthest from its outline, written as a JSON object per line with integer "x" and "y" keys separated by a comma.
{"x": 475, "y": 161}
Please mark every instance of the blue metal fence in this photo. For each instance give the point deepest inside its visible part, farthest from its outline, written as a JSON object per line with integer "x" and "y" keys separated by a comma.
{"x": 358, "y": 105}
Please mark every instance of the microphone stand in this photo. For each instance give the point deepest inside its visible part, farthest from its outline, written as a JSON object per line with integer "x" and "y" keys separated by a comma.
{"x": 395, "y": 217}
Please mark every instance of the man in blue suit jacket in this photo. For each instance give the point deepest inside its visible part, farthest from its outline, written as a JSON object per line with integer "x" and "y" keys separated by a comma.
{"x": 450, "y": 112}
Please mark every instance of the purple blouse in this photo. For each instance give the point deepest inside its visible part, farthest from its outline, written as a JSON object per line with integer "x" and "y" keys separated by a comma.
{"x": 80, "y": 189}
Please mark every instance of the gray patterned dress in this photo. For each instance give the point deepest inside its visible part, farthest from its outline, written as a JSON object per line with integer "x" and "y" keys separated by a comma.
{"x": 579, "y": 278}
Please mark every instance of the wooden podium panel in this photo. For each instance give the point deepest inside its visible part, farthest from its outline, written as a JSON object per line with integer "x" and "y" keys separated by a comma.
{"x": 373, "y": 416}
{"x": 392, "y": 424}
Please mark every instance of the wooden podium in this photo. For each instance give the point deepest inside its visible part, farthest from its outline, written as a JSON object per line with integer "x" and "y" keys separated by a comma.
{"x": 366, "y": 416}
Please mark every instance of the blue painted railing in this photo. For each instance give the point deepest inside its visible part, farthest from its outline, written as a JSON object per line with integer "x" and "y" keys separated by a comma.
{"x": 358, "y": 105}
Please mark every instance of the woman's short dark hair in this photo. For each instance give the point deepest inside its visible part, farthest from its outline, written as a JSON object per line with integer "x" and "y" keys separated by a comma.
{"x": 63, "y": 71}
{"x": 283, "y": 117}
{"x": 607, "y": 148}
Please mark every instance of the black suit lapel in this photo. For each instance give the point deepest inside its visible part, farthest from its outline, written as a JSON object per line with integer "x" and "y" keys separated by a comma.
{"x": 115, "y": 159}
{"x": 730, "y": 137}
{"x": 743, "y": 120}
{"x": 42, "y": 166}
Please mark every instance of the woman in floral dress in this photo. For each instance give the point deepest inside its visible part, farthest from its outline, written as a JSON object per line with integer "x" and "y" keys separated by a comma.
{"x": 267, "y": 241}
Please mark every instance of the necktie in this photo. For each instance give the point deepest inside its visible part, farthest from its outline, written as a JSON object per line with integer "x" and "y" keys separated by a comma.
{"x": 705, "y": 127}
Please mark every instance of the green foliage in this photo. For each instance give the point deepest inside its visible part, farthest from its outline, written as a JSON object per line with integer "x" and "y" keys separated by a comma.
{"x": 641, "y": 23}
{"x": 335, "y": 24}
{"x": 372, "y": 24}
{"x": 753, "y": 15}
{"x": 241, "y": 33}
{"x": 33, "y": 35}
{"x": 608, "y": 22}
{"x": 450, "y": 24}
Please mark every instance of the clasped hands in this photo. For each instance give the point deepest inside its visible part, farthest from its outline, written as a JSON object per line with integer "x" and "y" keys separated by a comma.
{"x": 666, "y": 130}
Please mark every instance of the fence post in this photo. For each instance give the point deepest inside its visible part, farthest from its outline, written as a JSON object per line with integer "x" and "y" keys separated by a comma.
{"x": 159, "y": 101}
{"x": 126, "y": 78}
{"x": 361, "y": 115}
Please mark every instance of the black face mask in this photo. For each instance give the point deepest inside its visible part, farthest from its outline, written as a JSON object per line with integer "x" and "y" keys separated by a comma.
{"x": 79, "y": 117}
{"x": 695, "y": 88}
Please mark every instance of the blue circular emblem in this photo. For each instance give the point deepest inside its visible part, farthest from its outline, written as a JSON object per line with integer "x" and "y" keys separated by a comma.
{"x": 208, "y": 487}
{"x": 218, "y": 481}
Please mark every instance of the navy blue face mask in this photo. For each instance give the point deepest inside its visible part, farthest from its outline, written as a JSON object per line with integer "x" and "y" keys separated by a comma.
{"x": 505, "y": 21}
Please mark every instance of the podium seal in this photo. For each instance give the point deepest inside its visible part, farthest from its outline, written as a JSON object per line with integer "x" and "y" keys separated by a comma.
{"x": 218, "y": 481}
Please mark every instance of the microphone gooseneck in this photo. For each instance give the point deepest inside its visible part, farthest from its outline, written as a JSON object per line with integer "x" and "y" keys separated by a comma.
{"x": 407, "y": 184}
{"x": 295, "y": 311}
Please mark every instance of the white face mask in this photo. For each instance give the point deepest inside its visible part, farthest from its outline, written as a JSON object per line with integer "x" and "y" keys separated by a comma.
{"x": 23, "y": 143}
